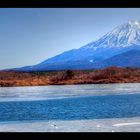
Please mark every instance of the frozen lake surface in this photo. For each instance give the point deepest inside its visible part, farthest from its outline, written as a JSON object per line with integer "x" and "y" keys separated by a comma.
{"x": 66, "y": 91}
{"x": 92, "y": 125}
{"x": 63, "y": 106}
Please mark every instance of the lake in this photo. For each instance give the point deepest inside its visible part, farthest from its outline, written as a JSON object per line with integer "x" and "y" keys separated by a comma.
{"x": 69, "y": 102}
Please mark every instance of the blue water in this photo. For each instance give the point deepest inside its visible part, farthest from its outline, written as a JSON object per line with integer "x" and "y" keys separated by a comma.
{"x": 74, "y": 108}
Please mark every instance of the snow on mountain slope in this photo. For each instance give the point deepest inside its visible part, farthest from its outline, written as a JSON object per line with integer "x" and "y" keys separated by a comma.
{"x": 122, "y": 36}
{"x": 121, "y": 39}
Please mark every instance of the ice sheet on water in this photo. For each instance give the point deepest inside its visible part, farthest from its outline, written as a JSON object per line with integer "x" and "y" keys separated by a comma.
{"x": 93, "y": 125}
{"x": 65, "y": 91}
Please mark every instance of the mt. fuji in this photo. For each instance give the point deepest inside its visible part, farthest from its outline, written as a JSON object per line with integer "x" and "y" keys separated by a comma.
{"x": 121, "y": 39}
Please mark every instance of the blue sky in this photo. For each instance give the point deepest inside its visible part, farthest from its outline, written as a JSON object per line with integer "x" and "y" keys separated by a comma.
{"x": 31, "y": 35}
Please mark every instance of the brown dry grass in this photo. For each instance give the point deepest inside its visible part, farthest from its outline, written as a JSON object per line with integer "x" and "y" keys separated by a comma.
{"x": 107, "y": 75}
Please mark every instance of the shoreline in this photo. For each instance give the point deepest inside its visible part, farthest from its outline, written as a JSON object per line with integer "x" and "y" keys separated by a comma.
{"x": 68, "y": 84}
{"x": 109, "y": 75}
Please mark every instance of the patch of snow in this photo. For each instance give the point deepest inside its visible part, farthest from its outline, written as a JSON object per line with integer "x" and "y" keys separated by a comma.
{"x": 91, "y": 61}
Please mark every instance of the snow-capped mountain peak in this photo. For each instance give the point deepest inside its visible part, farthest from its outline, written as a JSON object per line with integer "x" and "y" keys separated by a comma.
{"x": 124, "y": 35}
